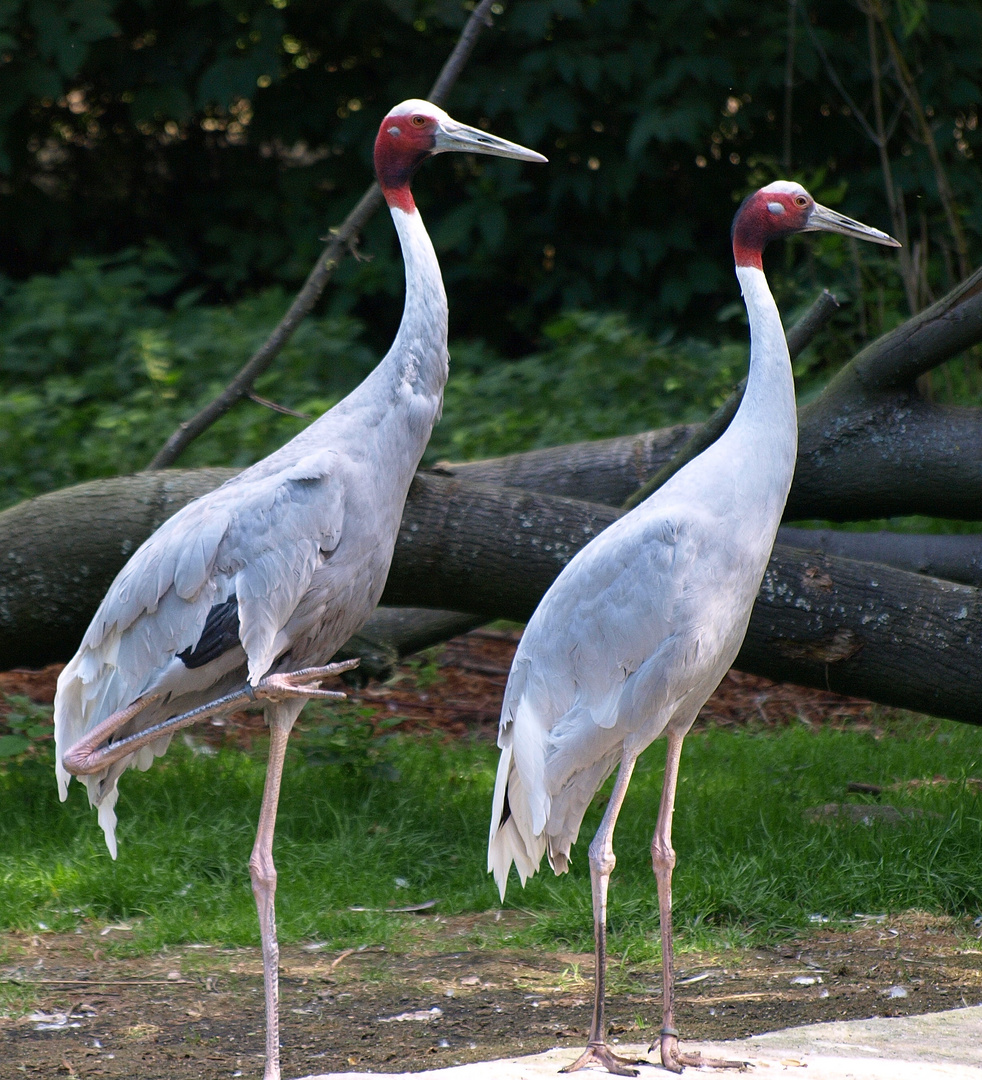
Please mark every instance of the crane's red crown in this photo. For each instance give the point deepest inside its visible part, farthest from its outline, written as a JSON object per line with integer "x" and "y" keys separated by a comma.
{"x": 415, "y": 130}
{"x": 783, "y": 208}
{"x": 406, "y": 138}
{"x": 780, "y": 209}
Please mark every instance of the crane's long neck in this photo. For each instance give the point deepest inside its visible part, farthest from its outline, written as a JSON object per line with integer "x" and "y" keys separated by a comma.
{"x": 418, "y": 356}
{"x": 766, "y": 418}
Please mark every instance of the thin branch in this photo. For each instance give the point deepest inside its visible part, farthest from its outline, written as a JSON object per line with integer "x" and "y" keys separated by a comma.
{"x": 276, "y": 407}
{"x": 330, "y": 257}
{"x": 931, "y": 337}
{"x": 909, "y": 87}
{"x": 898, "y": 213}
{"x": 789, "y": 83}
{"x": 823, "y": 308}
{"x": 837, "y": 83}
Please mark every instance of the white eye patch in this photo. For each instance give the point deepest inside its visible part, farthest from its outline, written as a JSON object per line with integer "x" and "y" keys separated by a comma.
{"x": 393, "y": 130}
{"x": 776, "y": 207}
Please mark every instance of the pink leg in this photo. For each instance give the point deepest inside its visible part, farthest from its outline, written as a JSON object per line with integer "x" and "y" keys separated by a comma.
{"x": 663, "y": 862}
{"x": 602, "y": 863}
{"x": 87, "y": 756}
{"x": 280, "y": 717}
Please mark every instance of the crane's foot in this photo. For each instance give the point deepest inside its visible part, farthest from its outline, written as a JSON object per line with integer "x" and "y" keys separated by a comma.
{"x": 599, "y": 1053}
{"x": 89, "y": 755}
{"x": 303, "y": 683}
{"x": 674, "y": 1059}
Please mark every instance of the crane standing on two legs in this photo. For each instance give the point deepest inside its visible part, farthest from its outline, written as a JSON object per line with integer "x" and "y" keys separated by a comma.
{"x": 640, "y": 627}
{"x": 236, "y": 596}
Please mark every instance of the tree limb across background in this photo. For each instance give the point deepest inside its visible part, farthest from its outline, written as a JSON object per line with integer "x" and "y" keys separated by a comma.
{"x": 341, "y": 241}
{"x": 484, "y": 536}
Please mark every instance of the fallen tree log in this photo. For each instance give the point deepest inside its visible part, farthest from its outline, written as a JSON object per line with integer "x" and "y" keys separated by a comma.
{"x": 954, "y": 558}
{"x": 869, "y": 445}
{"x": 892, "y": 636}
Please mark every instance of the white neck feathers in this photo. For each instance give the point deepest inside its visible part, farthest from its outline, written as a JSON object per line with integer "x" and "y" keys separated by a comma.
{"x": 419, "y": 351}
{"x": 767, "y": 414}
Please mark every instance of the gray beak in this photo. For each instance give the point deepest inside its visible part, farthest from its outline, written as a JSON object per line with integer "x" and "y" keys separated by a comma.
{"x": 453, "y": 136}
{"x": 823, "y": 219}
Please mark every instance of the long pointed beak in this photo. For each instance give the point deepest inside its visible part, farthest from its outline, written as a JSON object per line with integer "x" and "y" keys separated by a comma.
{"x": 453, "y": 136}
{"x": 822, "y": 218}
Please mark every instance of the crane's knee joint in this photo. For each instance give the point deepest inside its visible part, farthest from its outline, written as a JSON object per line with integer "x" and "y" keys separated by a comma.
{"x": 263, "y": 875}
{"x": 602, "y": 860}
{"x": 662, "y": 858}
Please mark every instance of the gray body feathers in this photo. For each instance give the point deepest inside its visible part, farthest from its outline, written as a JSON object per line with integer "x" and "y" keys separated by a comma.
{"x": 302, "y": 541}
{"x": 640, "y": 627}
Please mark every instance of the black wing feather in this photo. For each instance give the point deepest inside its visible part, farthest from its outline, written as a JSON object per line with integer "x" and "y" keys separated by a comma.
{"x": 220, "y": 633}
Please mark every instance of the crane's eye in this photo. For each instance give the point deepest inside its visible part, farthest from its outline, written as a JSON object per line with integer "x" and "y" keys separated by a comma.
{"x": 800, "y": 200}
{"x": 418, "y": 121}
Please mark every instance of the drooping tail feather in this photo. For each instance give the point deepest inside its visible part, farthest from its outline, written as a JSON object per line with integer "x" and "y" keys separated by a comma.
{"x": 509, "y": 842}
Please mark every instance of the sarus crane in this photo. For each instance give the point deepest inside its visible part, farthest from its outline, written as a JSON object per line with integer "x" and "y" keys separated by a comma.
{"x": 246, "y": 593}
{"x": 640, "y": 627}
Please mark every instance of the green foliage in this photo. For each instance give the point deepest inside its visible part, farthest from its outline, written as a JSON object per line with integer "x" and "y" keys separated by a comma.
{"x": 26, "y": 730}
{"x": 598, "y": 376}
{"x": 752, "y": 861}
{"x": 234, "y": 135}
{"x": 95, "y": 372}
{"x": 94, "y": 377}
{"x": 350, "y": 737}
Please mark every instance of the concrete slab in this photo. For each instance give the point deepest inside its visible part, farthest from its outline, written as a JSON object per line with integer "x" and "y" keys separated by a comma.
{"x": 939, "y": 1046}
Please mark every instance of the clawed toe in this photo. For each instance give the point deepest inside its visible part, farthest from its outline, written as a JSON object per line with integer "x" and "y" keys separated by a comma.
{"x": 674, "y": 1059}
{"x": 601, "y": 1054}
{"x": 304, "y": 683}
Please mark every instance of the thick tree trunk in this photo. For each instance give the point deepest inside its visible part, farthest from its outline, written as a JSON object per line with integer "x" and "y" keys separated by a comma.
{"x": 955, "y": 558}
{"x": 895, "y": 456}
{"x": 820, "y": 620}
{"x": 869, "y": 446}
{"x": 868, "y": 630}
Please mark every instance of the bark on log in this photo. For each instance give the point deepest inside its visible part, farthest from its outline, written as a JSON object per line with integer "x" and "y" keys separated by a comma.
{"x": 603, "y": 471}
{"x": 895, "y": 637}
{"x": 394, "y": 632}
{"x": 899, "y": 455}
{"x": 871, "y": 631}
{"x": 954, "y": 558}
{"x": 868, "y": 446}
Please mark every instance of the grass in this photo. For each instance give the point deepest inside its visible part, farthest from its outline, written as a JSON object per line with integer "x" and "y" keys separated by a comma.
{"x": 412, "y": 826}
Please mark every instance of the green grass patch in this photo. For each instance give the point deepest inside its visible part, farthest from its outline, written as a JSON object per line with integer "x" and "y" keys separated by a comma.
{"x": 752, "y": 863}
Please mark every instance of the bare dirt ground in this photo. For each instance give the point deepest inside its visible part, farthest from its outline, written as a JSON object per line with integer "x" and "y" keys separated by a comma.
{"x": 197, "y": 1012}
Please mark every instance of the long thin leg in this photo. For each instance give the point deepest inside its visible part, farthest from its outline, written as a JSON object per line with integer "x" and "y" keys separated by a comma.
{"x": 280, "y": 717}
{"x": 602, "y": 863}
{"x": 88, "y": 756}
{"x": 663, "y": 862}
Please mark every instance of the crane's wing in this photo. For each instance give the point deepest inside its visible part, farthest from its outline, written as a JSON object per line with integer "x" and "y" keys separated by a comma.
{"x": 593, "y": 669}
{"x": 168, "y": 618}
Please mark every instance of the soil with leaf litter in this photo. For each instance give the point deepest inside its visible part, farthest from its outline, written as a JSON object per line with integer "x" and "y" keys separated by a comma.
{"x": 197, "y": 1011}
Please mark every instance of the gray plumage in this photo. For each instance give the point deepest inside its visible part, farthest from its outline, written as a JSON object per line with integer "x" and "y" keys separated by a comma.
{"x": 251, "y": 589}
{"x": 303, "y": 540}
{"x": 640, "y": 627}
